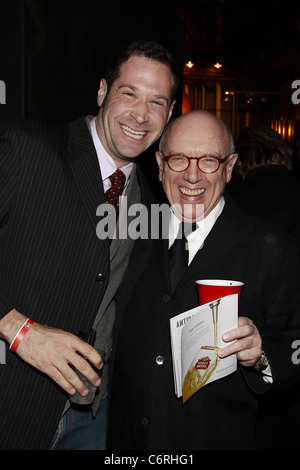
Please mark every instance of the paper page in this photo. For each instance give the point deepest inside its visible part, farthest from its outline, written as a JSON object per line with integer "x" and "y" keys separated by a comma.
{"x": 195, "y": 337}
{"x": 176, "y": 324}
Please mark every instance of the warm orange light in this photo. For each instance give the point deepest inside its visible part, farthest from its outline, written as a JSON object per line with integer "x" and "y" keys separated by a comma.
{"x": 217, "y": 65}
{"x": 284, "y": 128}
{"x": 190, "y": 64}
{"x": 279, "y": 127}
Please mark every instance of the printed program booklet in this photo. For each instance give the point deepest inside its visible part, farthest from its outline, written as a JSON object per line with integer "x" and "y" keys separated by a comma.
{"x": 196, "y": 336}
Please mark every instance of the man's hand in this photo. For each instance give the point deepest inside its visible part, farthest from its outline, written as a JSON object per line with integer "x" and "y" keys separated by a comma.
{"x": 54, "y": 352}
{"x": 247, "y": 343}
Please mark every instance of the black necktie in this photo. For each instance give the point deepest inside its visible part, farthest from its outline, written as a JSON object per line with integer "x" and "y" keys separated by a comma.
{"x": 179, "y": 254}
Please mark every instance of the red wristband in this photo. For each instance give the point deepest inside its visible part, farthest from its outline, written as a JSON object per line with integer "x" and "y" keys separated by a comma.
{"x": 20, "y": 335}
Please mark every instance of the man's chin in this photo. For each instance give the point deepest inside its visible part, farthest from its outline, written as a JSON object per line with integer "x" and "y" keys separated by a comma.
{"x": 189, "y": 212}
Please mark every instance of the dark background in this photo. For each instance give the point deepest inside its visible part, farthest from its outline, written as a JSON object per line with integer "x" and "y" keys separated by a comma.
{"x": 52, "y": 52}
{"x": 52, "y": 55}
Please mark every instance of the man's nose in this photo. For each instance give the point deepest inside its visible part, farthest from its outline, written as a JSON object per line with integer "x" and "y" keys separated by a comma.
{"x": 192, "y": 173}
{"x": 140, "y": 111}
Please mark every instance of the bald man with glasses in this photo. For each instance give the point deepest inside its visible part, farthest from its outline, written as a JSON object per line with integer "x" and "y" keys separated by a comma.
{"x": 195, "y": 159}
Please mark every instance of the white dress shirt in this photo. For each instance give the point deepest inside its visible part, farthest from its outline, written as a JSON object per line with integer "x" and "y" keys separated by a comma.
{"x": 204, "y": 226}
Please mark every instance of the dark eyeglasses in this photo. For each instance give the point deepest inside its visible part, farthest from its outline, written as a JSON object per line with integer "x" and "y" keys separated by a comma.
{"x": 206, "y": 163}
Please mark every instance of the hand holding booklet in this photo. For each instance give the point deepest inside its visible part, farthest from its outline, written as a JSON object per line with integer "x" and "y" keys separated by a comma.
{"x": 196, "y": 337}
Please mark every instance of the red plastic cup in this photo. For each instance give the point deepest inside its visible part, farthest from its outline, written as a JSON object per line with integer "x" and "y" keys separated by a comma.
{"x": 212, "y": 289}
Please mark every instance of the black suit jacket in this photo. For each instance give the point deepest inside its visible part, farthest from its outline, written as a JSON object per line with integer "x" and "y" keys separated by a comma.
{"x": 53, "y": 267}
{"x": 145, "y": 411}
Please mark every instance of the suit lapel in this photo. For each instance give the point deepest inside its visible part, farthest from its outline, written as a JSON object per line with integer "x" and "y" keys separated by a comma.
{"x": 132, "y": 196}
{"x": 161, "y": 257}
{"x": 86, "y": 171}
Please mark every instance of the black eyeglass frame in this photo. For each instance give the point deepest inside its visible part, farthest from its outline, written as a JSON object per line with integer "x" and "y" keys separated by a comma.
{"x": 219, "y": 159}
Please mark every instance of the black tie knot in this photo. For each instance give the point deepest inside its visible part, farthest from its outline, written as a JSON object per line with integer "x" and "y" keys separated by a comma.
{"x": 185, "y": 229}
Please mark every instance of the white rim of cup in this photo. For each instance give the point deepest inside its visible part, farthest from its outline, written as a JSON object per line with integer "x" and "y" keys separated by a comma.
{"x": 219, "y": 282}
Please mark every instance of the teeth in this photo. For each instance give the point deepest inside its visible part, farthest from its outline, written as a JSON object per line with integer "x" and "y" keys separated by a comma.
{"x": 191, "y": 192}
{"x": 132, "y": 133}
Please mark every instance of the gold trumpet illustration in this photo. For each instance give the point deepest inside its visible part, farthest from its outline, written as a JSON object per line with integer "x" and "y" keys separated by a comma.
{"x": 194, "y": 380}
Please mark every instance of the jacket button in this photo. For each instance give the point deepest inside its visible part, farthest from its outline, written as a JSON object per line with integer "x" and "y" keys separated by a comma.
{"x": 100, "y": 278}
{"x": 144, "y": 421}
{"x": 160, "y": 360}
{"x": 166, "y": 298}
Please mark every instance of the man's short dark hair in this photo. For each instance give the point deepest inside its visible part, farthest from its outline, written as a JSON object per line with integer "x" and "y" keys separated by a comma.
{"x": 259, "y": 145}
{"x": 150, "y": 50}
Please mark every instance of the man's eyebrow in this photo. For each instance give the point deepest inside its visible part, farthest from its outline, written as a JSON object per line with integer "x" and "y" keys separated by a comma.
{"x": 125, "y": 85}
{"x": 161, "y": 97}
{"x": 134, "y": 88}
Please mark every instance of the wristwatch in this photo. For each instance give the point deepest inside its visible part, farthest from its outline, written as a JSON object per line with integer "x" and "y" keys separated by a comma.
{"x": 263, "y": 362}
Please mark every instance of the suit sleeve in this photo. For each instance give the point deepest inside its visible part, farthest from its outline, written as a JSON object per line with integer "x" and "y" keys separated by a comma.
{"x": 281, "y": 326}
{"x": 9, "y": 173}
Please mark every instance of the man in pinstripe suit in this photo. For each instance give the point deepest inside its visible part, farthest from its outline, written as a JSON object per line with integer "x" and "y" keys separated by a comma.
{"x": 54, "y": 269}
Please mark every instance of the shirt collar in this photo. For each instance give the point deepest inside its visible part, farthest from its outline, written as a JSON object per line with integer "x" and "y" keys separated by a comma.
{"x": 107, "y": 165}
{"x": 205, "y": 225}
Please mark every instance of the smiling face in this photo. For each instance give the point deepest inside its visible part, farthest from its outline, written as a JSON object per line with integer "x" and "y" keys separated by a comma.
{"x": 194, "y": 194}
{"x": 136, "y": 109}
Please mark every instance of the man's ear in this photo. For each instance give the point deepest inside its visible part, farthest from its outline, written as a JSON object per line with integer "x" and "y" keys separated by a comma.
{"x": 102, "y": 91}
{"x": 160, "y": 162}
{"x": 230, "y": 165}
{"x": 171, "y": 111}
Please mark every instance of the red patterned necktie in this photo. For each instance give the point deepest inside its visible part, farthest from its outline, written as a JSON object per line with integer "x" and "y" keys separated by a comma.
{"x": 117, "y": 185}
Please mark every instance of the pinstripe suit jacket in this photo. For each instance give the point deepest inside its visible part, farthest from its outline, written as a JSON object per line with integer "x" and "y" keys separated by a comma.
{"x": 51, "y": 259}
